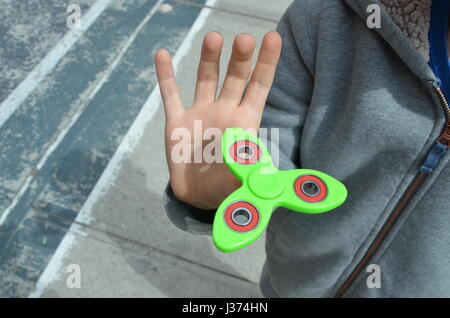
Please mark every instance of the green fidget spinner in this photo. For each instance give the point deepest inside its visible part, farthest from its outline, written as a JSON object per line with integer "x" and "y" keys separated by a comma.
{"x": 242, "y": 217}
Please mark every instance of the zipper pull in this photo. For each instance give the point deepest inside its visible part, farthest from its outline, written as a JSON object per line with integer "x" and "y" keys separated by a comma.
{"x": 433, "y": 157}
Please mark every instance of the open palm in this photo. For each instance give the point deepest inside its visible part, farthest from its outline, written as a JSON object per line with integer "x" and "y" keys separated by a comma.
{"x": 204, "y": 184}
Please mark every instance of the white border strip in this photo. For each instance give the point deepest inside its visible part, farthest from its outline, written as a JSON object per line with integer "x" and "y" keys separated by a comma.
{"x": 21, "y": 92}
{"x": 53, "y": 270}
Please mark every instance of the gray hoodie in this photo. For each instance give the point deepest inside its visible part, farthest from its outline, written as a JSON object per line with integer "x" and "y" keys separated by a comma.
{"x": 362, "y": 105}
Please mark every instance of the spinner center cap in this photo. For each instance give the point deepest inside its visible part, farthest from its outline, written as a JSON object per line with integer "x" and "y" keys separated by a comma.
{"x": 265, "y": 186}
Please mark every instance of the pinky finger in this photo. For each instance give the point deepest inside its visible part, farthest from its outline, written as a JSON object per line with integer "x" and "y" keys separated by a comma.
{"x": 170, "y": 93}
{"x": 264, "y": 72}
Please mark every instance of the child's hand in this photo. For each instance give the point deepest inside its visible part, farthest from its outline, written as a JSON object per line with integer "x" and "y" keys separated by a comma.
{"x": 205, "y": 185}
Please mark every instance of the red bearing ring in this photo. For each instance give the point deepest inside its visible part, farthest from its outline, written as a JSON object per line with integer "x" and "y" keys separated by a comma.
{"x": 245, "y": 152}
{"x": 241, "y": 216}
{"x": 310, "y": 188}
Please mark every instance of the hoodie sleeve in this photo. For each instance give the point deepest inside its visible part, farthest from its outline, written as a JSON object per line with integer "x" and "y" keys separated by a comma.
{"x": 283, "y": 116}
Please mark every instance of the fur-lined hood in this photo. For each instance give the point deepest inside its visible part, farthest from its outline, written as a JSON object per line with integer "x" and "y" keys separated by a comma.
{"x": 412, "y": 17}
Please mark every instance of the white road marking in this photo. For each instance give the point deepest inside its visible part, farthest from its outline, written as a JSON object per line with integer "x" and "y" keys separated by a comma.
{"x": 78, "y": 113}
{"x": 54, "y": 269}
{"x": 21, "y": 92}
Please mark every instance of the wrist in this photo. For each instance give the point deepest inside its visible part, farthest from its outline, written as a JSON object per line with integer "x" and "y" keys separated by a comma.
{"x": 213, "y": 186}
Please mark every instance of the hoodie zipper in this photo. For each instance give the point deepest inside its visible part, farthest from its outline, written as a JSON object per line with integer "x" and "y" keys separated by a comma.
{"x": 435, "y": 154}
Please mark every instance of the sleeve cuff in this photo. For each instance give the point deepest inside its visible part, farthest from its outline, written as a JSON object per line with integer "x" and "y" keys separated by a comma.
{"x": 187, "y": 217}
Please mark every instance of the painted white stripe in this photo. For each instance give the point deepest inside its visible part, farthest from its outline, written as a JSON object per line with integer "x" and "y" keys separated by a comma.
{"x": 78, "y": 113}
{"x": 54, "y": 269}
{"x": 21, "y": 92}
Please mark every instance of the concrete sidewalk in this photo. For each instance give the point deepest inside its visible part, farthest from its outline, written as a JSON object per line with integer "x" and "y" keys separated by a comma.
{"x": 122, "y": 241}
